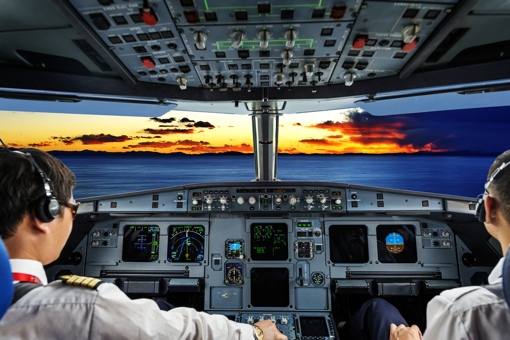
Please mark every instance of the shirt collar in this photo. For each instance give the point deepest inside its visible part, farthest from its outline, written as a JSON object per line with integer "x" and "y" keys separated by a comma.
{"x": 496, "y": 275}
{"x": 30, "y": 267}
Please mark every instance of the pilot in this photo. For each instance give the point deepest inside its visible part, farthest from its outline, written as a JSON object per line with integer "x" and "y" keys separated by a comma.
{"x": 474, "y": 312}
{"x": 37, "y": 209}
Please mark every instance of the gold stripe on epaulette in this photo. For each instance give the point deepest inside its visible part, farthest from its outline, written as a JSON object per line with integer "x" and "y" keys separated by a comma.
{"x": 82, "y": 281}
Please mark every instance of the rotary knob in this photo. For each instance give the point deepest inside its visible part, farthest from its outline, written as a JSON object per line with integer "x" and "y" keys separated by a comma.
{"x": 200, "y": 39}
{"x": 252, "y": 200}
{"x": 223, "y": 200}
{"x": 292, "y": 200}
{"x": 240, "y": 200}
{"x": 209, "y": 199}
{"x": 309, "y": 199}
{"x": 278, "y": 200}
{"x": 264, "y": 36}
{"x": 322, "y": 199}
{"x": 290, "y": 36}
{"x": 338, "y": 201}
{"x": 237, "y": 38}
{"x": 194, "y": 202}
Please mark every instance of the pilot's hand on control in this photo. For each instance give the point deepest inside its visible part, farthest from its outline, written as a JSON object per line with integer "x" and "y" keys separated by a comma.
{"x": 404, "y": 333}
{"x": 270, "y": 331}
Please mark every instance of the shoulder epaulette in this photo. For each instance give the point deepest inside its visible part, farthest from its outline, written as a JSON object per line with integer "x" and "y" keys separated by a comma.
{"x": 82, "y": 281}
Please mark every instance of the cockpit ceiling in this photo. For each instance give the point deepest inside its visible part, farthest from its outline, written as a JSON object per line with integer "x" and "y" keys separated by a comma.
{"x": 227, "y": 52}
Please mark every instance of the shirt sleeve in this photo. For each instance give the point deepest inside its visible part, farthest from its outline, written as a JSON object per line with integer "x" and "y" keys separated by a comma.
{"x": 116, "y": 315}
{"x": 443, "y": 321}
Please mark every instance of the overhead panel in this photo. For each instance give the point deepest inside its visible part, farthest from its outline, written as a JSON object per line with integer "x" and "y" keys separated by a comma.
{"x": 228, "y": 45}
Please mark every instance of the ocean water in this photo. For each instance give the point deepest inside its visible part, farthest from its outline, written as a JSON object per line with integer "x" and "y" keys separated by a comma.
{"x": 102, "y": 174}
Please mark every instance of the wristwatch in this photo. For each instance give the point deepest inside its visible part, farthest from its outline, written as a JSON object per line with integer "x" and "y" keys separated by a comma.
{"x": 257, "y": 333}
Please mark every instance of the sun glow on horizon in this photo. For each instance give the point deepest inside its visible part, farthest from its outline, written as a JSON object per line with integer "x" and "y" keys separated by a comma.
{"x": 331, "y": 132}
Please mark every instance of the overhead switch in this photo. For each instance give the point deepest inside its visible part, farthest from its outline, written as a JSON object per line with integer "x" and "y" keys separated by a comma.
{"x": 200, "y": 39}
{"x": 237, "y": 38}
{"x": 148, "y": 16}
{"x": 349, "y": 78}
{"x": 410, "y": 46}
{"x": 410, "y": 32}
{"x": 148, "y": 62}
{"x": 264, "y": 35}
{"x": 359, "y": 42}
{"x": 290, "y": 36}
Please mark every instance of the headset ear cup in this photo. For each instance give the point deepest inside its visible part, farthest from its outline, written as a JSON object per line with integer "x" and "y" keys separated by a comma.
{"x": 480, "y": 210}
{"x": 46, "y": 209}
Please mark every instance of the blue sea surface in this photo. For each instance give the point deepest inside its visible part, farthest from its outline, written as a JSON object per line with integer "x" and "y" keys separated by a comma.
{"x": 106, "y": 174}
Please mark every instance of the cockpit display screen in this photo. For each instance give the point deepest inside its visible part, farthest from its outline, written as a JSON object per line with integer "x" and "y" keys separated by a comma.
{"x": 396, "y": 243}
{"x": 314, "y": 327}
{"x": 348, "y": 243}
{"x": 186, "y": 243}
{"x": 141, "y": 243}
{"x": 269, "y": 287}
{"x": 269, "y": 242}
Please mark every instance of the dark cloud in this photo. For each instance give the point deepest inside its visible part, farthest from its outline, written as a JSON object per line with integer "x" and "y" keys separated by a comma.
{"x": 316, "y": 141}
{"x": 476, "y": 130}
{"x": 168, "y": 131}
{"x": 65, "y": 140}
{"x": 163, "y": 120}
{"x": 92, "y": 139}
{"x": 39, "y": 145}
{"x": 186, "y": 120}
{"x": 101, "y": 139}
{"x": 201, "y": 124}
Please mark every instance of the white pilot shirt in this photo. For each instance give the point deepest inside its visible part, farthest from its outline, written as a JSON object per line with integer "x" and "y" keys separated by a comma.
{"x": 59, "y": 311}
{"x": 469, "y": 313}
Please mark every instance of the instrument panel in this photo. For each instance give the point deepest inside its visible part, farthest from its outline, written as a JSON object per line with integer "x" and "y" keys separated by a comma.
{"x": 282, "y": 254}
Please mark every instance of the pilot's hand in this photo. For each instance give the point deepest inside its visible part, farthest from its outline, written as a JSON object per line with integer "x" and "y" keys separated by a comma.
{"x": 270, "y": 331}
{"x": 404, "y": 333}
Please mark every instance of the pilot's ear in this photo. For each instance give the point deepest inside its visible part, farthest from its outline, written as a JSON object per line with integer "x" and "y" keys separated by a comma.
{"x": 490, "y": 209}
{"x": 38, "y": 225}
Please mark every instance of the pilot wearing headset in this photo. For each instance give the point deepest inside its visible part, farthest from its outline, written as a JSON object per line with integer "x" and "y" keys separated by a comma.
{"x": 37, "y": 209}
{"x": 472, "y": 312}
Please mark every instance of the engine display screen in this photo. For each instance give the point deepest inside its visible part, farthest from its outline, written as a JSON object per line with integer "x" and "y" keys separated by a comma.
{"x": 269, "y": 287}
{"x": 141, "y": 243}
{"x": 269, "y": 242}
{"x": 186, "y": 243}
{"x": 396, "y": 243}
{"x": 348, "y": 243}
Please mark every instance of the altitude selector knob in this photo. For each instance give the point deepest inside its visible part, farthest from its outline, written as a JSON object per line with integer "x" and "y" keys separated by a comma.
{"x": 292, "y": 200}
{"x": 240, "y": 200}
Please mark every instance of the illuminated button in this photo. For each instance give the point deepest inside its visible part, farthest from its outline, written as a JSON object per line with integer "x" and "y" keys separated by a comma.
{"x": 148, "y": 62}
{"x": 359, "y": 42}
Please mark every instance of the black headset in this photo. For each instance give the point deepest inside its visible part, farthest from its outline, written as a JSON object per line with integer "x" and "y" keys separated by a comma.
{"x": 47, "y": 207}
{"x": 480, "y": 205}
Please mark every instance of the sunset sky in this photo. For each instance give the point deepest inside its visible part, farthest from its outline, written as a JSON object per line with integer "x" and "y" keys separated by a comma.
{"x": 332, "y": 132}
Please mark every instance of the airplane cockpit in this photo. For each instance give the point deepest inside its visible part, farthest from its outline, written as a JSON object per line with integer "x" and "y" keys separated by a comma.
{"x": 304, "y": 254}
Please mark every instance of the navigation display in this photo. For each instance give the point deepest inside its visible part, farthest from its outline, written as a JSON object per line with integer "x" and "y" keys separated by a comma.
{"x": 269, "y": 242}
{"x": 348, "y": 244}
{"x": 269, "y": 287}
{"x": 396, "y": 243}
{"x": 186, "y": 243}
{"x": 141, "y": 243}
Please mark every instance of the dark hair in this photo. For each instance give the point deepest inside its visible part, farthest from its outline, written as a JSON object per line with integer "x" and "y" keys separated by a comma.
{"x": 21, "y": 185}
{"x": 500, "y": 186}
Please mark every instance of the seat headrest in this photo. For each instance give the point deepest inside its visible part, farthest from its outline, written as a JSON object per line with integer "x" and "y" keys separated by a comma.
{"x": 6, "y": 286}
{"x": 506, "y": 277}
